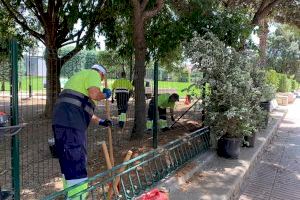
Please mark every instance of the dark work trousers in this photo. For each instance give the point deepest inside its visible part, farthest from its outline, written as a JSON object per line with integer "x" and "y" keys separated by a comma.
{"x": 71, "y": 148}
{"x": 69, "y": 126}
{"x": 122, "y": 102}
{"x": 161, "y": 111}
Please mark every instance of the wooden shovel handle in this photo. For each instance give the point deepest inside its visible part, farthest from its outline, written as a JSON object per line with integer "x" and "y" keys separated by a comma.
{"x": 110, "y": 143}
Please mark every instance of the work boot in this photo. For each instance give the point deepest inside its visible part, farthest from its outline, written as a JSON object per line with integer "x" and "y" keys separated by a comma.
{"x": 122, "y": 119}
{"x": 121, "y": 124}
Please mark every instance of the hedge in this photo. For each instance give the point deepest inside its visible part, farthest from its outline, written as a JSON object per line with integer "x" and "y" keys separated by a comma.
{"x": 281, "y": 81}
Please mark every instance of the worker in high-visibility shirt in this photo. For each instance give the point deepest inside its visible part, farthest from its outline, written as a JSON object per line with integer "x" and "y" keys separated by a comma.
{"x": 122, "y": 88}
{"x": 164, "y": 101}
{"x": 73, "y": 111}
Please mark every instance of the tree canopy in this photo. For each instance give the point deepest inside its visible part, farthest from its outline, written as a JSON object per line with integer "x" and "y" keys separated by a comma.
{"x": 284, "y": 50}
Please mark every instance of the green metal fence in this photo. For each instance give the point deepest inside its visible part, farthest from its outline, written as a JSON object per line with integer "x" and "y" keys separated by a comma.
{"x": 23, "y": 98}
{"x": 144, "y": 171}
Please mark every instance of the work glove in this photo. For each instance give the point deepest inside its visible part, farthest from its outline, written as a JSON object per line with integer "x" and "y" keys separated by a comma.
{"x": 105, "y": 122}
{"x": 106, "y": 92}
{"x": 172, "y": 118}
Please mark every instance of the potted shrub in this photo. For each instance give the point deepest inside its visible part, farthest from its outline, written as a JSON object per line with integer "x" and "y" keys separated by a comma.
{"x": 266, "y": 92}
{"x": 229, "y": 105}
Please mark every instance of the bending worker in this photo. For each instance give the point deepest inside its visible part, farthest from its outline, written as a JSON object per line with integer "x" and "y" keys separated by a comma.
{"x": 73, "y": 111}
{"x": 122, "y": 87}
{"x": 164, "y": 101}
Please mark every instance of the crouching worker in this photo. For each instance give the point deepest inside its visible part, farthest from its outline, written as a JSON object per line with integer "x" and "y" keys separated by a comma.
{"x": 122, "y": 87}
{"x": 164, "y": 101}
{"x": 73, "y": 111}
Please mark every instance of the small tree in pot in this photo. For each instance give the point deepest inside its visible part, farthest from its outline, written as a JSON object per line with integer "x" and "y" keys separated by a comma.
{"x": 259, "y": 88}
{"x": 229, "y": 105}
{"x": 267, "y": 93}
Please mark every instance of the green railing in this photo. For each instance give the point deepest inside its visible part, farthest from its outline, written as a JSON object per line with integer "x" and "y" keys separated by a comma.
{"x": 144, "y": 171}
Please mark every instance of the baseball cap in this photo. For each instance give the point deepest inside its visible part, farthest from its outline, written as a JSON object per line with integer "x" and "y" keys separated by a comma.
{"x": 99, "y": 68}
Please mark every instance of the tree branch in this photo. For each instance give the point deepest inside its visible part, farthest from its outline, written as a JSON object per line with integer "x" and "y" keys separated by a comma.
{"x": 34, "y": 10}
{"x": 72, "y": 36}
{"x": 136, "y": 4}
{"x": 264, "y": 10}
{"x": 144, "y": 4}
{"x": 23, "y": 23}
{"x": 68, "y": 43}
{"x": 90, "y": 31}
{"x": 151, "y": 13}
{"x": 39, "y": 6}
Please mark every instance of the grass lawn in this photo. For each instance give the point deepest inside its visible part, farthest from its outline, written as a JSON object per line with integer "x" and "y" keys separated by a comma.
{"x": 37, "y": 84}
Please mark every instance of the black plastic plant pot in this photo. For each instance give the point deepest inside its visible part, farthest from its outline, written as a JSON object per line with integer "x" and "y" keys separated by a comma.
{"x": 265, "y": 105}
{"x": 229, "y": 147}
{"x": 249, "y": 141}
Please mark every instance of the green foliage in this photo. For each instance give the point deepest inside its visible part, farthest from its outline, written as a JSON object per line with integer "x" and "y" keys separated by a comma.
{"x": 8, "y": 31}
{"x": 112, "y": 61}
{"x": 272, "y": 78}
{"x": 284, "y": 50}
{"x": 293, "y": 85}
{"x": 173, "y": 25}
{"x": 75, "y": 64}
{"x": 283, "y": 83}
{"x": 192, "y": 90}
{"x": 233, "y": 103}
{"x": 90, "y": 59}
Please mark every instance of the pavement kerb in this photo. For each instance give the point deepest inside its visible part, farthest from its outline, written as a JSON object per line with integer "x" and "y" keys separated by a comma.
{"x": 183, "y": 175}
{"x": 239, "y": 183}
{"x": 187, "y": 171}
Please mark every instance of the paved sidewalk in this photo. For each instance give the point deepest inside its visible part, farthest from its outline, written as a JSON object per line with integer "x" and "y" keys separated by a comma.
{"x": 214, "y": 178}
{"x": 277, "y": 175}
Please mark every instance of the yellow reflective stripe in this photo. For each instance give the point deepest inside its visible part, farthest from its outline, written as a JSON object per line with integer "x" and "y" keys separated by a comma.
{"x": 149, "y": 124}
{"x": 122, "y": 117}
{"x": 162, "y": 123}
{"x": 76, "y": 190}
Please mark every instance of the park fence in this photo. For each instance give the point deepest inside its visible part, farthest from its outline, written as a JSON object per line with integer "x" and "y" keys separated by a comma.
{"x": 23, "y": 98}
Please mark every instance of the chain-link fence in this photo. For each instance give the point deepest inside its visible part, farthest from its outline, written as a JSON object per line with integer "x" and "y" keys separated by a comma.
{"x": 39, "y": 170}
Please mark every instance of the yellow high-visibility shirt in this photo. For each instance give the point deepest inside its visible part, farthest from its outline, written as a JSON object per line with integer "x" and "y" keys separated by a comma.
{"x": 122, "y": 83}
{"x": 83, "y": 80}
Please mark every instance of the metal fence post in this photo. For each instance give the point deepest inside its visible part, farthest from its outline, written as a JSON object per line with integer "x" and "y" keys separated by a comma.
{"x": 14, "y": 111}
{"x": 155, "y": 118}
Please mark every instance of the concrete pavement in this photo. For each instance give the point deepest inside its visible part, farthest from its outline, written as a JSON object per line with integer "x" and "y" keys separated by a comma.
{"x": 277, "y": 175}
{"x": 218, "y": 178}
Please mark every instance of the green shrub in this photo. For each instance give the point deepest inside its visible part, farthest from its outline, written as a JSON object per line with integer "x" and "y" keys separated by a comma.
{"x": 294, "y": 85}
{"x": 273, "y": 78}
{"x": 283, "y": 83}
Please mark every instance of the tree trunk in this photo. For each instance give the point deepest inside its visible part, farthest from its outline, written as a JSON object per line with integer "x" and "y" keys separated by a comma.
{"x": 131, "y": 68}
{"x": 263, "y": 36}
{"x": 3, "y": 86}
{"x": 53, "y": 84}
{"x": 139, "y": 75}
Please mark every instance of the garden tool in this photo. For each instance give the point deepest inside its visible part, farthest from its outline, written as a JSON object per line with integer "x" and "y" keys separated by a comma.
{"x": 110, "y": 142}
{"x": 176, "y": 121}
{"x": 107, "y": 159}
{"x": 116, "y": 183}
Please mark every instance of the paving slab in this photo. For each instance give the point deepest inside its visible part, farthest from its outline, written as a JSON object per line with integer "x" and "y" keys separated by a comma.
{"x": 283, "y": 157}
{"x": 217, "y": 178}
